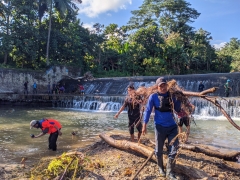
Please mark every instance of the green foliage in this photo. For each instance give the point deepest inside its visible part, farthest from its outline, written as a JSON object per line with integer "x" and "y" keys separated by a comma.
{"x": 157, "y": 40}
{"x": 230, "y": 54}
{"x": 155, "y": 66}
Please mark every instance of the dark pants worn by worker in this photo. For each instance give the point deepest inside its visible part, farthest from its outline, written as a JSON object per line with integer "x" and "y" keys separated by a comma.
{"x": 52, "y": 141}
{"x": 161, "y": 134}
{"x": 133, "y": 121}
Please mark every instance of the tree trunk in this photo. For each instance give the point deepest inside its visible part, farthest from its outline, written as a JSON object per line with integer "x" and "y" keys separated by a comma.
{"x": 6, "y": 52}
{"x": 5, "y": 58}
{"x": 49, "y": 33}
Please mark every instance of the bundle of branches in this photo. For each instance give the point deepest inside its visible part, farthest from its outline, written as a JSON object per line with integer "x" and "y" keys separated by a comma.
{"x": 142, "y": 94}
{"x": 174, "y": 90}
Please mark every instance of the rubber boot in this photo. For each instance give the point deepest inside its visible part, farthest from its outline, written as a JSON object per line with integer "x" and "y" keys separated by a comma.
{"x": 160, "y": 165}
{"x": 169, "y": 170}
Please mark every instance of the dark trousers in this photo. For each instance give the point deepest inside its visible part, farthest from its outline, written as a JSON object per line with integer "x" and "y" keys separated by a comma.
{"x": 52, "y": 141}
{"x": 34, "y": 91}
{"x": 163, "y": 133}
{"x": 132, "y": 122}
{"x": 226, "y": 93}
{"x": 25, "y": 91}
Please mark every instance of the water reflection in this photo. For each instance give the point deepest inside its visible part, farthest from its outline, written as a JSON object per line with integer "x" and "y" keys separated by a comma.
{"x": 15, "y": 141}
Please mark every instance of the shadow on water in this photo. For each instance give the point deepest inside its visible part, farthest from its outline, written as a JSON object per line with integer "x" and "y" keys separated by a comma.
{"x": 15, "y": 141}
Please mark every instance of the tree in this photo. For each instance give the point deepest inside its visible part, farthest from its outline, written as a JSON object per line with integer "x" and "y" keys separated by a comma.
{"x": 201, "y": 54}
{"x": 63, "y": 7}
{"x": 172, "y": 16}
{"x": 231, "y": 54}
{"x": 5, "y": 13}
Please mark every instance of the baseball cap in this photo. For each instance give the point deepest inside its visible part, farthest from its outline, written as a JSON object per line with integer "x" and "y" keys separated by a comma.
{"x": 160, "y": 81}
{"x": 228, "y": 80}
{"x": 33, "y": 123}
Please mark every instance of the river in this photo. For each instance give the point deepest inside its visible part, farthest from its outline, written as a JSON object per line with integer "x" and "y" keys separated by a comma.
{"x": 16, "y": 143}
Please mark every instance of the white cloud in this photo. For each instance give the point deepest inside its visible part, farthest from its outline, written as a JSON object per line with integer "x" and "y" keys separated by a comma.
{"x": 220, "y": 45}
{"x": 92, "y": 8}
{"x": 89, "y": 26}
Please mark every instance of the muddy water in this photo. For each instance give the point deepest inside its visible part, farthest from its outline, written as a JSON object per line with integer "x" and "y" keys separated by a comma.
{"x": 15, "y": 141}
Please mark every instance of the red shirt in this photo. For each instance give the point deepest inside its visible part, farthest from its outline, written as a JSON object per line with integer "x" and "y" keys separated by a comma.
{"x": 50, "y": 125}
{"x": 81, "y": 87}
{"x": 181, "y": 114}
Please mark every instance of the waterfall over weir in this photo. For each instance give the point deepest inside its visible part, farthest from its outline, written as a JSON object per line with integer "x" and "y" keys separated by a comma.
{"x": 113, "y": 103}
{"x": 118, "y": 86}
{"x": 92, "y": 103}
{"x": 108, "y": 94}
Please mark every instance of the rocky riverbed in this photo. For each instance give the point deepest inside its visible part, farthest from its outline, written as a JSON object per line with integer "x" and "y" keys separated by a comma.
{"x": 109, "y": 163}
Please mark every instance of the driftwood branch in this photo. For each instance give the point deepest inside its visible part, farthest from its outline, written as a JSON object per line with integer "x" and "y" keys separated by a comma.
{"x": 200, "y": 94}
{"x": 66, "y": 169}
{"x": 211, "y": 90}
{"x": 144, "y": 164}
{"x": 216, "y": 103}
{"x": 212, "y": 100}
{"x": 185, "y": 169}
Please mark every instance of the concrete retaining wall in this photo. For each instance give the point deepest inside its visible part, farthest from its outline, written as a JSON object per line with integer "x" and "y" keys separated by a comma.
{"x": 12, "y": 80}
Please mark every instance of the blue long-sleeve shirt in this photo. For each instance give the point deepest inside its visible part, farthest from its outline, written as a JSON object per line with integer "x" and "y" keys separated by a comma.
{"x": 164, "y": 119}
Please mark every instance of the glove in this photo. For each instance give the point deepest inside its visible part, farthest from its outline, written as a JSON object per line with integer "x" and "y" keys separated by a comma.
{"x": 32, "y": 136}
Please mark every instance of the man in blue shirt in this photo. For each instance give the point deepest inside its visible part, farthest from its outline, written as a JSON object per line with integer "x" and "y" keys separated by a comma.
{"x": 34, "y": 88}
{"x": 165, "y": 125}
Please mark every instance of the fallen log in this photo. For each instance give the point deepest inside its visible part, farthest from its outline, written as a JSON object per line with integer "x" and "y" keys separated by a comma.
{"x": 185, "y": 169}
{"x": 212, "y": 151}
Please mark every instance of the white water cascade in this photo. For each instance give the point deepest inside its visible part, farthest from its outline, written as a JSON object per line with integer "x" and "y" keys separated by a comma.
{"x": 113, "y": 103}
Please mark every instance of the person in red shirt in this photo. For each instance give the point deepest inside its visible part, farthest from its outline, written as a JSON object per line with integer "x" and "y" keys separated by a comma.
{"x": 81, "y": 89}
{"x": 184, "y": 119}
{"x": 50, "y": 126}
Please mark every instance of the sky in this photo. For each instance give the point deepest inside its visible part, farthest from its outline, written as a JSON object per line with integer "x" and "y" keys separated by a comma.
{"x": 219, "y": 17}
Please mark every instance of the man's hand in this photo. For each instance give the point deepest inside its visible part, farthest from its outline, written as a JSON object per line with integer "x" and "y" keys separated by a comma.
{"x": 144, "y": 129}
{"x": 116, "y": 116}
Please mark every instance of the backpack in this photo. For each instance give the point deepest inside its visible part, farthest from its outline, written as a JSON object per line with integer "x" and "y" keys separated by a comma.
{"x": 165, "y": 105}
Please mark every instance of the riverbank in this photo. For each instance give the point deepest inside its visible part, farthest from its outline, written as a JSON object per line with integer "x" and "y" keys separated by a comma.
{"x": 106, "y": 162}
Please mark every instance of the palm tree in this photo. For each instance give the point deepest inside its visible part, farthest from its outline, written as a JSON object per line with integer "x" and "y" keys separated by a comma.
{"x": 5, "y": 13}
{"x": 63, "y": 7}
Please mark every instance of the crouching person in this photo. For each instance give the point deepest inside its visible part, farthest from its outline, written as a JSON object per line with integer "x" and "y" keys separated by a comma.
{"x": 50, "y": 126}
{"x": 165, "y": 125}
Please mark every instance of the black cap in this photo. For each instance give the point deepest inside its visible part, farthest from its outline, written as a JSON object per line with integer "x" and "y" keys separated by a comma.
{"x": 160, "y": 81}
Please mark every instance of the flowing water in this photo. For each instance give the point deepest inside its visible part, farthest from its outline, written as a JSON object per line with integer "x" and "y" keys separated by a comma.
{"x": 15, "y": 141}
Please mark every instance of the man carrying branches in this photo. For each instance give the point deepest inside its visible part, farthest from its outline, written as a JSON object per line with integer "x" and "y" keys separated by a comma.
{"x": 165, "y": 125}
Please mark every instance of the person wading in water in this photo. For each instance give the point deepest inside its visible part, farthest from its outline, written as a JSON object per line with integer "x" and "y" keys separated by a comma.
{"x": 50, "y": 126}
